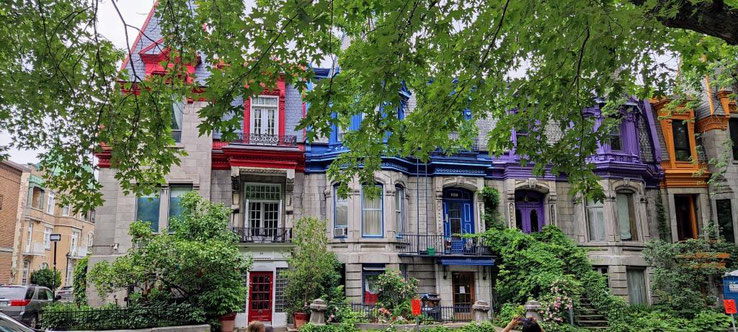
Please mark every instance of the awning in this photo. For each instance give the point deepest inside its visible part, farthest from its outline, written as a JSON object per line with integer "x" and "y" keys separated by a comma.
{"x": 471, "y": 261}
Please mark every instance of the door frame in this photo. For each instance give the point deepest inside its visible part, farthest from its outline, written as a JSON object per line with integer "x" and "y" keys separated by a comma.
{"x": 525, "y": 208}
{"x": 270, "y": 313}
{"x": 472, "y": 291}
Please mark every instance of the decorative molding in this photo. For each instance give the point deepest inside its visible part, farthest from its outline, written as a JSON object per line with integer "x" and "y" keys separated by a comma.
{"x": 712, "y": 122}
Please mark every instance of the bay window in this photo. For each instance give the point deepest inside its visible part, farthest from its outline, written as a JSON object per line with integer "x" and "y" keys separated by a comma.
{"x": 371, "y": 214}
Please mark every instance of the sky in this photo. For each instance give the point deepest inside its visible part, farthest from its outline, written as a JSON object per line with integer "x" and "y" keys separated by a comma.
{"x": 134, "y": 12}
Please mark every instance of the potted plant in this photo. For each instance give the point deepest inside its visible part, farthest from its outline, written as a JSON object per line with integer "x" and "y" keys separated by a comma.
{"x": 300, "y": 318}
{"x": 228, "y": 322}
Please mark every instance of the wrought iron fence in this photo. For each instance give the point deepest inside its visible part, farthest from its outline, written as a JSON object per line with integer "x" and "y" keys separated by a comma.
{"x": 441, "y": 245}
{"x": 456, "y": 313}
{"x": 263, "y": 235}
{"x": 261, "y": 139}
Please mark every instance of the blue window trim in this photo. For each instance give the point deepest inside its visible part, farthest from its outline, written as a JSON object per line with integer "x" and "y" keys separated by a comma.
{"x": 335, "y": 215}
{"x": 401, "y": 222}
{"x": 381, "y": 204}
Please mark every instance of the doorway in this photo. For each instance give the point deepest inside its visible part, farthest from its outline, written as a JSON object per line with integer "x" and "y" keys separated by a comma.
{"x": 260, "y": 296}
{"x": 462, "y": 284}
{"x": 458, "y": 218}
{"x": 529, "y": 215}
{"x": 686, "y": 217}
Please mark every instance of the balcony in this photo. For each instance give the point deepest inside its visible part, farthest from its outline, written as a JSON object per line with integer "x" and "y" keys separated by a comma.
{"x": 440, "y": 245}
{"x": 267, "y": 140}
{"x": 263, "y": 235}
{"x": 35, "y": 249}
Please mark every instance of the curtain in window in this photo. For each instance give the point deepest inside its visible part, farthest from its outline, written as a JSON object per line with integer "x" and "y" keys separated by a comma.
{"x": 626, "y": 217}
{"x": 147, "y": 209}
{"x": 637, "y": 286}
{"x": 371, "y": 215}
{"x": 177, "y": 114}
{"x": 596, "y": 221}
{"x": 341, "y": 216}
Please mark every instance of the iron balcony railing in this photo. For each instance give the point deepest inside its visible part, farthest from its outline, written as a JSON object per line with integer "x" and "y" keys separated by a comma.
{"x": 441, "y": 245}
{"x": 263, "y": 235}
{"x": 269, "y": 140}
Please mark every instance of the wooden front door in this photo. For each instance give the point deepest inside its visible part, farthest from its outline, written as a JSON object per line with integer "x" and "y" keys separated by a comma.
{"x": 463, "y": 291}
{"x": 260, "y": 296}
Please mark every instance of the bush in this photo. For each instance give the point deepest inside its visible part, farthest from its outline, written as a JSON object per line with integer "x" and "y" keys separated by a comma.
{"x": 72, "y": 317}
{"x": 79, "y": 286}
{"x": 653, "y": 319}
{"x": 395, "y": 293}
{"x": 43, "y": 277}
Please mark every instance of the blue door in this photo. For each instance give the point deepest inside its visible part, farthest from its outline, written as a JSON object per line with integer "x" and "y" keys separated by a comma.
{"x": 458, "y": 219}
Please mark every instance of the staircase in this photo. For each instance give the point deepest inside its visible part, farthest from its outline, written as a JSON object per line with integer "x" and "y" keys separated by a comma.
{"x": 589, "y": 318}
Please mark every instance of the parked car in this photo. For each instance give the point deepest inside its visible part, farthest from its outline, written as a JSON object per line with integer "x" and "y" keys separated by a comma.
{"x": 9, "y": 324}
{"x": 65, "y": 294}
{"x": 24, "y": 303}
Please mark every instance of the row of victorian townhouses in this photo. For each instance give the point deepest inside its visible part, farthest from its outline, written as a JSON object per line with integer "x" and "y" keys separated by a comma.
{"x": 271, "y": 177}
{"x": 29, "y": 214}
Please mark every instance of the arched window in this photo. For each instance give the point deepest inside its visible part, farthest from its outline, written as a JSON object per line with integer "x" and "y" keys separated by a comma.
{"x": 340, "y": 212}
{"x": 400, "y": 209}
{"x": 372, "y": 223}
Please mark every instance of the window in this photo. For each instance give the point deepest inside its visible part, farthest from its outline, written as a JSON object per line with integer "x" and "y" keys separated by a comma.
{"x": 42, "y": 296}
{"x": 725, "y": 219}
{"x": 70, "y": 274}
{"x": 175, "y": 199}
{"x": 686, "y": 217}
{"x": 626, "y": 217}
{"x": 47, "y": 237}
{"x": 29, "y": 235}
{"x": 595, "y": 221}
{"x": 280, "y": 284}
{"x": 340, "y": 132}
{"x": 264, "y": 115}
{"x": 24, "y": 276}
{"x": 616, "y": 140}
{"x": 50, "y": 206}
{"x": 73, "y": 244}
{"x": 65, "y": 210}
{"x": 371, "y": 214}
{"x": 340, "y": 216}
{"x": 682, "y": 149}
{"x": 733, "y": 124}
{"x": 36, "y": 198}
{"x": 89, "y": 239}
{"x": 400, "y": 209}
{"x": 263, "y": 201}
{"x": 369, "y": 275}
{"x": 147, "y": 209}
{"x": 177, "y": 115}
{"x": 637, "y": 285}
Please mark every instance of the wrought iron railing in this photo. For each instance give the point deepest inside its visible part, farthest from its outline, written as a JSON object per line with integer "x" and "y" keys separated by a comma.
{"x": 263, "y": 235}
{"x": 455, "y": 313}
{"x": 261, "y": 139}
{"x": 441, "y": 245}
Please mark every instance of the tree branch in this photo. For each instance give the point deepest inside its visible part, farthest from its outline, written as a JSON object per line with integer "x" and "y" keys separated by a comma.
{"x": 712, "y": 18}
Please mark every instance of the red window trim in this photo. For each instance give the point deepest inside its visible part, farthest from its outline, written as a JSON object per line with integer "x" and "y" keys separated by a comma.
{"x": 279, "y": 92}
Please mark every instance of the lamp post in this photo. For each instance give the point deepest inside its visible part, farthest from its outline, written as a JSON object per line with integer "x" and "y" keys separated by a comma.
{"x": 66, "y": 271}
{"x": 54, "y": 238}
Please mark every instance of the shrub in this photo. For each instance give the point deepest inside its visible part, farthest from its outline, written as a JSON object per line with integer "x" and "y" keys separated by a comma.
{"x": 313, "y": 271}
{"x": 395, "y": 292}
{"x": 69, "y": 316}
{"x": 43, "y": 277}
{"x": 79, "y": 286}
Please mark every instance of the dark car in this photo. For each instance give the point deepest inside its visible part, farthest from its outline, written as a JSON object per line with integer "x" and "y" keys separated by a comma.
{"x": 8, "y": 324}
{"x": 24, "y": 303}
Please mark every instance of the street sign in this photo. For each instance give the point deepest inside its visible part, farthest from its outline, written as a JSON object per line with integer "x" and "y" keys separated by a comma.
{"x": 55, "y": 237}
{"x": 729, "y": 306}
{"x": 415, "y": 306}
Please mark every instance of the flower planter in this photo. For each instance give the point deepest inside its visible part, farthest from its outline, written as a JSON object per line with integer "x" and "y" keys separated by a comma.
{"x": 300, "y": 318}
{"x": 228, "y": 322}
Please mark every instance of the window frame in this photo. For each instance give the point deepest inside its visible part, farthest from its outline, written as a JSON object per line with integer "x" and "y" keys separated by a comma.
{"x": 177, "y": 133}
{"x": 336, "y": 199}
{"x": 718, "y": 203}
{"x": 252, "y": 117}
{"x": 370, "y": 270}
{"x": 51, "y": 203}
{"x": 381, "y": 213}
{"x": 643, "y": 271}
{"x": 688, "y": 133}
{"x": 588, "y": 205}
{"x": 400, "y": 215}
{"x": 158, "y": 215}
{"x": 47, "y": 237}
{"x": 632, "y": 211}
{"x": 733, "y": 135}
{"x": 246, "y": 201}
{"x": 169, "y": 199}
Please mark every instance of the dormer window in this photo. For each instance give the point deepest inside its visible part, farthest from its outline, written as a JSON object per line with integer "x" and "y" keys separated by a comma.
{"x": 264, "y": 116}
{"x": 680, "y": 132}
{"x": 177, "y": 115}
{"x": 616, "y": 139}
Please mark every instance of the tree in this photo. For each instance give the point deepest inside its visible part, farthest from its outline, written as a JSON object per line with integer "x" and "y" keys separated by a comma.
{"x": 197, "y": 261}
{"x": 531, "y": 65}
{"x": 43, "y": 277}
{"x": 313, "y": 271}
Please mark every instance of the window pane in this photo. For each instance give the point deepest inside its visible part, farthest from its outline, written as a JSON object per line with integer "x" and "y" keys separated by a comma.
{"x": 734, "y": 137}
{"x": 175, "y": 199}
{"x": 341, "y": 217}
{"x": 681, "y": 140}
{"x": 399, "y": 209}
{"x": 280, "y": 283}
{"x": 636, "y": 286}
{"x": 596, "y": 221}
{"x": 626, "y": 217}
{"x": 147, "y": 209}
{"x": 615, "y": 139}
{"x": 371, "y": 215}
{"x": 725, "y": 219}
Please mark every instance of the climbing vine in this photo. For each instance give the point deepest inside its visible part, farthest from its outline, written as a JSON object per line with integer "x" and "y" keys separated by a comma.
{"x": 491, "y": 198}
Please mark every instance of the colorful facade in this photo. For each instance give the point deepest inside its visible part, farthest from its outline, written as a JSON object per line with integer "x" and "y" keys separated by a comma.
{"x": 271, "y": 176}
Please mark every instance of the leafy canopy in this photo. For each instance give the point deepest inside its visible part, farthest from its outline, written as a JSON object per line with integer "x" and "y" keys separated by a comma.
{"x": 46, "y": 277}
{"x": 546, "y": 59}
{"x": 197, "y": 260}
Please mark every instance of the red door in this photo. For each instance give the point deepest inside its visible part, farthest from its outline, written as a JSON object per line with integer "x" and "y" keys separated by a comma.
{"x": 260, "y": 296}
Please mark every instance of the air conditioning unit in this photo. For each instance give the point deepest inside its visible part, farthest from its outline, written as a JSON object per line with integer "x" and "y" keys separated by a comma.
{"x": 340, "y": 232}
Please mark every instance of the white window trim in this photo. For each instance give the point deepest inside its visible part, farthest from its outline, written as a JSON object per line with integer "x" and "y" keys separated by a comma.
{"x": 47, "y": 237}
{"x": 74, "y": 243}
{"x": 50, "y": 204}
{"x": 264, "y": 119}
{"x": 247, "y": 221}
{"x": 29, "y": 235}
